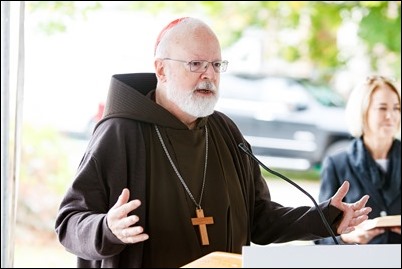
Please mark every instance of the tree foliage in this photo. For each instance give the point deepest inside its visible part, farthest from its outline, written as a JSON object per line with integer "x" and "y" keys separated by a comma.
{"x": 379, "y": 25}
{"x": 378, "y": 22}
{"x": 57, "y": 14}
{"x": 380, "y": 28}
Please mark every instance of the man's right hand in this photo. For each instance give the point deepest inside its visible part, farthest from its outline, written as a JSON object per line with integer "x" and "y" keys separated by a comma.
{"x": 121, "y": 224}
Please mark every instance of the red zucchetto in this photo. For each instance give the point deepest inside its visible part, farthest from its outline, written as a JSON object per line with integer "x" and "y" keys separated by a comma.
{"x": 167, "y": 27}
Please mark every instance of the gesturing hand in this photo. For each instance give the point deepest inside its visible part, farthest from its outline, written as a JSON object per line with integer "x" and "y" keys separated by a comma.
{"x": 353, "y": 213}
{"x": 120, "y": 224}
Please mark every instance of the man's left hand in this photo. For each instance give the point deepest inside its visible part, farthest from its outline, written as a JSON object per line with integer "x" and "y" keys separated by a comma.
{"x": 353, "y": 213}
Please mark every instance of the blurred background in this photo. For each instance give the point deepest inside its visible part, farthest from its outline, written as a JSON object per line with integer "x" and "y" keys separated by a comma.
{"x": 298, "y": 59}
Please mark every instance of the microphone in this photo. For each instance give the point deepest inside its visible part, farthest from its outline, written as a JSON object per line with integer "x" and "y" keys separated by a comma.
{"x": 324, "y": 220}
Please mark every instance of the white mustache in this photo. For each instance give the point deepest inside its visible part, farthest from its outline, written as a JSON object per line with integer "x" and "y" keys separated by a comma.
{"x": 206, "y": 85}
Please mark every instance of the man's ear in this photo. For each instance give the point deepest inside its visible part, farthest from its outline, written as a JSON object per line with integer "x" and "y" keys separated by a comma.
{"x": 160, "y": 70}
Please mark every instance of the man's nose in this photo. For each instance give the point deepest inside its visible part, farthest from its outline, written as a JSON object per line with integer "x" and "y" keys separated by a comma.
{"x": 209, "y": 71}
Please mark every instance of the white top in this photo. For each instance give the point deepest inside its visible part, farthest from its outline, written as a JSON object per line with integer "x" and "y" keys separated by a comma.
{"x": 383, "y": 163}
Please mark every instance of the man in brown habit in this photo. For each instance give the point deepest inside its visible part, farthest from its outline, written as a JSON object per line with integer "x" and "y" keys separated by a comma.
{"x": 163, "y": 181}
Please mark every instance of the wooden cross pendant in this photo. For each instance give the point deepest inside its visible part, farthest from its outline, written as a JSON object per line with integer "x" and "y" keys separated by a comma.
{"x": 202, "y": 222}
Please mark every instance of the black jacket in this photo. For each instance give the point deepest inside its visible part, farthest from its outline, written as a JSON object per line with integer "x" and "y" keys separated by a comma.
{"x": 356, "y": 165}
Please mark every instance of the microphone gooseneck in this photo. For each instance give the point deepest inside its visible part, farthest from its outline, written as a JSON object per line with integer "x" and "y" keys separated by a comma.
{"x": 324, "y": 220}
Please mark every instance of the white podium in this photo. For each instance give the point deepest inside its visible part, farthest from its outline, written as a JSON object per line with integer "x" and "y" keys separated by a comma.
{"x": 322, "y": 256}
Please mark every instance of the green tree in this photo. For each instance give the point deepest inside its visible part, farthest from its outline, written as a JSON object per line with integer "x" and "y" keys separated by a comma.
{"x": 57, "y": 14}
{"x": 379, "y": 25}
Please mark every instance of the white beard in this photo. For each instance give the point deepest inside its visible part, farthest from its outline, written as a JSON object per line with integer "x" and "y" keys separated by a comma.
{"x": 190, "y": 102}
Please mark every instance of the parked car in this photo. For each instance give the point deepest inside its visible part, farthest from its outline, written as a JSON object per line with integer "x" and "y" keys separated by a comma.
{"x": 94, "y": 120}
{"x": 291, "y": 123}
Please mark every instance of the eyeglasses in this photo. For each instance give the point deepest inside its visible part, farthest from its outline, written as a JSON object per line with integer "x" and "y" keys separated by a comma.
{"x": 200, "y": 66}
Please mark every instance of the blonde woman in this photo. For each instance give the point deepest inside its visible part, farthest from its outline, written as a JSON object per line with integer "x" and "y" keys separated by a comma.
{"x": 372, "y": 161}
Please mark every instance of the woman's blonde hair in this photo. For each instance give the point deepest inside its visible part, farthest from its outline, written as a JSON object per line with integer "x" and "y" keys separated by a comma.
{"x": 359, "y": 100}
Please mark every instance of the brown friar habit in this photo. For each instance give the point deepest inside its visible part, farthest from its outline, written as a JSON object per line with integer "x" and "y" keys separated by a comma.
{"x": 125, "y": 152}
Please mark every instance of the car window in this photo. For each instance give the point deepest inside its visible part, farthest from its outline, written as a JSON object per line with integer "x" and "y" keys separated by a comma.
{"x": 324, "y": 95}
{"x": 295, "y": 93}
{"x": 285, "y": 91}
